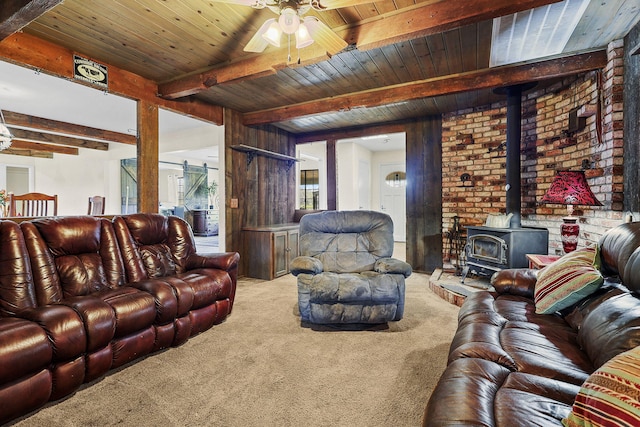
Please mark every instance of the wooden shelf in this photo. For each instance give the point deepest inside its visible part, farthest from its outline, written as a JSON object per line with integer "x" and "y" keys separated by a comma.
{"x": 252, "y": 152}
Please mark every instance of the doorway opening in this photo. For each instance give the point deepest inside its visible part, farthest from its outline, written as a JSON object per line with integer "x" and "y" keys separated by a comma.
{"x": 363, "y": 166}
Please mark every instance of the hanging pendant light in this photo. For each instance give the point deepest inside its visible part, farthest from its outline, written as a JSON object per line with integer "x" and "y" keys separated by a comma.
{"x": 273, "y": 33}
{"x": 291, "y": 20}
{"x": 303, "y": 38}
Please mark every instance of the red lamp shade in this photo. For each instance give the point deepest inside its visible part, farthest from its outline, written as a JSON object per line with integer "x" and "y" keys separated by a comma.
{"x": 570, "y": 188}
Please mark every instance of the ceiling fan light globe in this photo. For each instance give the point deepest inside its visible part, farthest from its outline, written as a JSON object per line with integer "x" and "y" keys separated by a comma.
{"x": 273, "y": 34}
{"x": 303, "y": 38}
{"x": 289, "y": 20}
{"x": 5, "y": 134}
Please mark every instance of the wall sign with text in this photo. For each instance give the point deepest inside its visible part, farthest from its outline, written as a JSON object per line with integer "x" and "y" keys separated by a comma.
{"x": 90, "y": 72}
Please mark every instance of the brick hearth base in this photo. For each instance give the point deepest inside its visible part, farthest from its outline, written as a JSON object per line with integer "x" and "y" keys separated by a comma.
{"x": 448, "y": 287}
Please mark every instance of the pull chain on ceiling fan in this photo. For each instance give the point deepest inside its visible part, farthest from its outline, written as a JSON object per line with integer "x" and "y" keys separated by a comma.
{"x": 306, "y": 30}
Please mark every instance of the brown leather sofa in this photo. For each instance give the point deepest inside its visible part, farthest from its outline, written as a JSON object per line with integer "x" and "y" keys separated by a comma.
{"x": 82, "y": 295}
{"x": 509, "y": 366}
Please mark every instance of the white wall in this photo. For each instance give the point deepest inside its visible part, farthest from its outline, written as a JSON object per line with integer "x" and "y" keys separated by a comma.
{"x": 203, "y": 137}
{"x": 349, "y": 156}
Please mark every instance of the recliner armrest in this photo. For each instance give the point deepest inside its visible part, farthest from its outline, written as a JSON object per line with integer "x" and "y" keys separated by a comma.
{"x": 306, "y": 264}
{"x": 515, "y": 281}
{"x": 224, "y": 261}
{"x": 392, "y": 266}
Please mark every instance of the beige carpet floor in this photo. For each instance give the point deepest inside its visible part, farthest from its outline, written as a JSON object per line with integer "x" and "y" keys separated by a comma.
{"x": 261, "y": 367}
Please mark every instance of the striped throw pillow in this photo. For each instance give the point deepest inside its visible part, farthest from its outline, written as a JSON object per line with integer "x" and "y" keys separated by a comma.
{"x": 610, "y": 396}
{"x": 567, "y": 281}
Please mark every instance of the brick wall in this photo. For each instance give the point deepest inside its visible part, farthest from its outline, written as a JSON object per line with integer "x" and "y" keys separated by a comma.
{"x": 473, "y": 143}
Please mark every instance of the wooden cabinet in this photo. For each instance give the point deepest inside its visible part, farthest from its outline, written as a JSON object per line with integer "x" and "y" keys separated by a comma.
{"x": 205, "y": 222}
{"x": 270, "y": 250}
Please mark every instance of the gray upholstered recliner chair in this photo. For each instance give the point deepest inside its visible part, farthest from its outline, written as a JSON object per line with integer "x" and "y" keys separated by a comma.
{"x": 345, "y": 271}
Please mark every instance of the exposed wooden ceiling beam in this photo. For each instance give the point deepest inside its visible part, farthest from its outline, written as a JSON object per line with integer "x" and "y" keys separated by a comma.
{"x": 51, "y": 138}
{"x": 355, "y": 132}
{"x": 408, "y": 23}
{"x": 254, "y": 67}
{"x": 28, "y": 153}
{"x": 15, "y": 14}
{"x": 28, "y": 145}
{"x": 482, "y": 79}
{"x": 432, "y": 17}
{"x": 33, "y": 52}
{"x": 23, "y": 120}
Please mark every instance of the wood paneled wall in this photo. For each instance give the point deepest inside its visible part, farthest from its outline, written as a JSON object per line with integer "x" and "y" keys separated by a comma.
{"x": 632, "y": 121}
{"x": 424, "y": 194}
{"x": 264, "y": 189}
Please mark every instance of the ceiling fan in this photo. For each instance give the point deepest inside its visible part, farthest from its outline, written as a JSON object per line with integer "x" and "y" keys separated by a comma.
{"x": 307, "y": 29}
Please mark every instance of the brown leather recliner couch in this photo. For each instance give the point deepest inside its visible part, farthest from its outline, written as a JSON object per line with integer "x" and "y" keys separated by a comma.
{"x": 82, "y": 295}
{"x": 509, "y": 366}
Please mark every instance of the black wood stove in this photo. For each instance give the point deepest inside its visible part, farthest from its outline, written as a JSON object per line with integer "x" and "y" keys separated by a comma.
{"x": 489, "y": 249}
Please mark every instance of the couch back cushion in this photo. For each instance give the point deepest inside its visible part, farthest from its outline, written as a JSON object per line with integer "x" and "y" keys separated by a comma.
{"x": 610, "y": 325}
{"x": 619, "y": 254}
{"x": 72, "y": 256}
{"x": 153, "y": 245}
{"x": 16, "y": 282}
{"x": 347, "y": 241}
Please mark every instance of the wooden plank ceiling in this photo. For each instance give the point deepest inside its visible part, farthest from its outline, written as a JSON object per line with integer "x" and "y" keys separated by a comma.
{"x": 404, "y": 58}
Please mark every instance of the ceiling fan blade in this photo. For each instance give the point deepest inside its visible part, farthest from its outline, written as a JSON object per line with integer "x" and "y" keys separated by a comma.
{"x": 336, "y": 4}
{"x": 257, "y": 42}
{"x": 324, "y": 35}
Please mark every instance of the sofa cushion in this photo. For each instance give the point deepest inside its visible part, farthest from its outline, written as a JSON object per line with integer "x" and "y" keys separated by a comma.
{"x": 505, "y": 329}
{"x": 148, "y": 243}
{"x": 616, "y": 247}
{"x": 72, "y": 256}
{"x": 477, "y": 392}
{"x": 611, "y": 395}
{"x": 610, "y": 327}
{"x": 567, "y": 281}
{"x": 158, "y": 261}
{"x": 17, "y": 291}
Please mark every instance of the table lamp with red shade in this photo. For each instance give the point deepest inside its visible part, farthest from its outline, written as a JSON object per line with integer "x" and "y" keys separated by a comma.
{"x": 570, "y": 188}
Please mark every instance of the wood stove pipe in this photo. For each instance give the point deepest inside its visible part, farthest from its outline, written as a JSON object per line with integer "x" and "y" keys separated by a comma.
{"x": 514, "y": 135}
